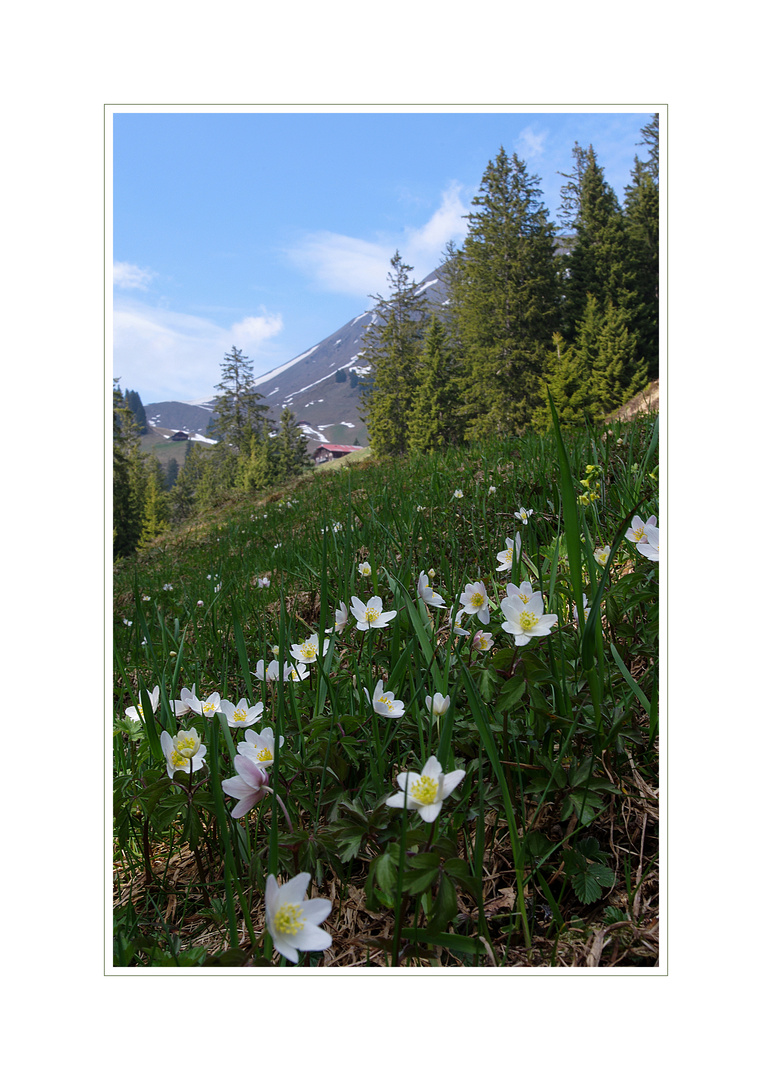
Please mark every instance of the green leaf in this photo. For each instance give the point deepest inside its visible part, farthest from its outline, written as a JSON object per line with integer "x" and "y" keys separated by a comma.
{"x": 445, "y": 906}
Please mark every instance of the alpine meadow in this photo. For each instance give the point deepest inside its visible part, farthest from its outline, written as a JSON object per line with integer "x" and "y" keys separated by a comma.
{"x": 401, "y": 710}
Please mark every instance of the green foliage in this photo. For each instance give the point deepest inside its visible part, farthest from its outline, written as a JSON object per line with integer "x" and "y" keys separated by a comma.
{"x": 507, "y": 300}
{"x": 392, "y": 345}
{"x": 432, "y": 419}
{"x": 238, "y": 412}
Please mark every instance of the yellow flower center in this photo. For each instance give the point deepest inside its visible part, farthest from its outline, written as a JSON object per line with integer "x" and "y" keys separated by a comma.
{"x": 186, "y": 747}
{"x": 309, "y": 650}
{"x": 528, "y": 620}
{"x": 141, "y": 712}
{"x": 239, "y": 715}
{"x": 208, "y": 708}
{"x": 371, "y": 614}
{"x": 264, "y": 754}
{"x": 289, "y": 919}
{"x": 524, "y": 597}
{"x": 387, "y": 702}
{"x": 638, "y": 535}
{"x": 179, "y": 761}
{"x": 477, "y": 599}
{"x": 424, "y": 790}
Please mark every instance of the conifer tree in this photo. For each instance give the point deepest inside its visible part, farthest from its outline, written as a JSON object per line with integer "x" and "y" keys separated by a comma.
{"x": 618, "y": 373}
{"x": 127, "y": 481}
{"x": 642, "y": 229}
{"x": 597, "y": 265}
{"x": 432, "y": 423}
{"x": 154, "y": 517}
{"x": 291, "y": 448}
{"x": 570, "y": 382}
{"x": 257, "y": 469}
{"x": 238, "y": 412}
{"x": 134, "y": 402}
{"x": 507, "y": 299}
{"x": 392, "y": 344}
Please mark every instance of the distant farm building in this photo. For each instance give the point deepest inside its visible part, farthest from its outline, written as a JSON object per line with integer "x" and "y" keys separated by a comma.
{"x": 331, "y": 451}
{"x": 180, "y": 436}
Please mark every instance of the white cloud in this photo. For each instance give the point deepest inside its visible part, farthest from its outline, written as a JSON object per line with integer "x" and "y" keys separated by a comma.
{"x": 167, "y": 355}
{"x": 343, "y": 264}
{"x": 446, "y": 223}
{"x": 128, "y": 276}
{"x": 530, "y": 143}
{"x": 355, "y": 267}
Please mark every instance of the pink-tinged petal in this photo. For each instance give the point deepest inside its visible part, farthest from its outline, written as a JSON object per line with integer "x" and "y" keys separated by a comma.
{"x": 237, "y": 788}
{"x": 245, "y": 805}
{"x": 251, "y": 772}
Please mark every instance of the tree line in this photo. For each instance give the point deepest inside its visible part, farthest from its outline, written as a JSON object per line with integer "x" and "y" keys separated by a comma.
{"x": 250, "y": 455}
{"x": 530, "y": 307}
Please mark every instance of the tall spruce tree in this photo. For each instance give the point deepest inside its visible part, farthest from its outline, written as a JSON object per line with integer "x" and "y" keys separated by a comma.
{"x": 598, "y": 262}
{"x": 641, "y": 219}
{"x": 392, "y": 344}
{"x": 507, "y": 299}
{"x": 238, "y": 412}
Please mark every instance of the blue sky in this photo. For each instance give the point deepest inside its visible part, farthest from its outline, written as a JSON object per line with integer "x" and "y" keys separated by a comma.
{"x": 269, "y": 230}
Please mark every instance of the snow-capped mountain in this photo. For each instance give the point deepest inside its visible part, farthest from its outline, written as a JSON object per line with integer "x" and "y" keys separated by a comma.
{"x": 320, "y": 385}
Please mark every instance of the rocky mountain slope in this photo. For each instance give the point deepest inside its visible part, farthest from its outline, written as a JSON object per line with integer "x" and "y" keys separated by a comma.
{"x": 320, "y": 386}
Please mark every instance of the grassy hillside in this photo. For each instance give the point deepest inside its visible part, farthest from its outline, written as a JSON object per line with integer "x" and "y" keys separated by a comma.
{"x": 531, "y": 835}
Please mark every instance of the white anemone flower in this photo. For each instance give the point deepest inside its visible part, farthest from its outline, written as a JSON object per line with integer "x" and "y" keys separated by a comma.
{"x": 241, "y": 715}
{"x": 136, "y": 712}
{"x": 510, "y": 552}
{"x": 474, "y": 601}
{"x": 524, "y": 590}
{"x": 370, "y": 616}
{"x": 292, "y": 921}
{"x": 249, "y": 787}
{"x": 341, "y": 618}
{"x": 308, "y": 651}
{"x": 296, "y": 672}
{"x": 260, "y": 748}
{"x": 427, "y": 593}
{"x": 203, "y": 708}
{"x": 650, "y": 546}
{"x": 425, "y": 791}
{"x": 526, "y": 621}
{"x": 437, "y": 705}
{"x": 522, "y": 515}
{"x": 383, "y": 701}
{"x": 269, "y": 674}
{"x": 184, "y": 753}
{"x": 365, "y": 570}
{"x": 637, "y": 533}
{"x": 458, "y": 629}
{"x": 602, "y": 554}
